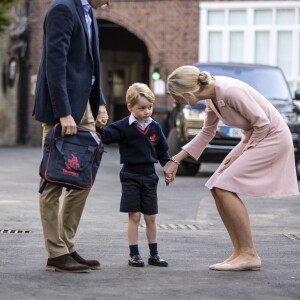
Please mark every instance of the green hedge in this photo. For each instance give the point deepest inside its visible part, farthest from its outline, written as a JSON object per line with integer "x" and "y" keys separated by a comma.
{"x": 5, "y": 16}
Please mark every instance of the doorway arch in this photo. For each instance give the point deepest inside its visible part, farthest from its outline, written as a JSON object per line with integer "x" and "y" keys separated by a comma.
{"x": 124, "y": 60}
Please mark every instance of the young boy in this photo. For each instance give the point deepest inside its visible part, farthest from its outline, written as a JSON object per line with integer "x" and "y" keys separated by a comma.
{"x": 141, "y": 145}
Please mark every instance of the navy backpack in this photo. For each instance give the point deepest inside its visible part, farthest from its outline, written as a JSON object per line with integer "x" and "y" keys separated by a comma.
{"x": 71, "y": 161}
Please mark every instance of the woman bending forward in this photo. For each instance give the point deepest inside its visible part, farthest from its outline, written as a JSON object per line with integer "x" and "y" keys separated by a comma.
{"x": 261, "y": 165}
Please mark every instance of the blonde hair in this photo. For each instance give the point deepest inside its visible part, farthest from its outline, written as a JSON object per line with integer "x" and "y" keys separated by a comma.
{"x": 187, "y": 79}
{"x": 137, "y": 90}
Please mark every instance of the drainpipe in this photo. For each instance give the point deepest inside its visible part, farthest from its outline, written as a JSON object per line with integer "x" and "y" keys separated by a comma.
{"x": 24, "y": 82}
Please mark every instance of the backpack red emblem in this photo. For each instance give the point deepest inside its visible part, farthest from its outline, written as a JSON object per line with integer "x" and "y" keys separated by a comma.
{"x": 72, "y": 163}
{"x": 71, "y": 166}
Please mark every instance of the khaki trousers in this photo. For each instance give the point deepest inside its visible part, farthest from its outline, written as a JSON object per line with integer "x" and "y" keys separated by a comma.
{"x": 60, "y": 222}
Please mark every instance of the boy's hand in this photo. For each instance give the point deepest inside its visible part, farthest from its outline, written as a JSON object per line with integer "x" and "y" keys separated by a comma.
{"x": 100, "y": 124}
{"x": 170, "y": 170}
{"x": 101, "y": 121}
{"x": 169, "y": 178}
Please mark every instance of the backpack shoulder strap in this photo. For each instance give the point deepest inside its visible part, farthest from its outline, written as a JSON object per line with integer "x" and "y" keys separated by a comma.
{"x": 42, "y": 186}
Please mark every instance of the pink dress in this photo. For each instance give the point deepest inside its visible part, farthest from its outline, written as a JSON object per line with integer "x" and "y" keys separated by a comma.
{"x": 266, "y": 163}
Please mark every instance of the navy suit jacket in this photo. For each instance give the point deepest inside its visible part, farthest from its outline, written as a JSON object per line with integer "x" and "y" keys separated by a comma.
{"x": 64, "y": 82}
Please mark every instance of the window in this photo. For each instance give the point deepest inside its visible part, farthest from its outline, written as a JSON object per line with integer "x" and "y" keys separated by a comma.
{"x": 237, "y": 17}
{"x": 262, "y": 47}
{"x": 214, "y": 41}
{"x": 262, "y": 17}
{"x": 236, "y": 50}
{"x": 264, "y": 32}
{"x": 284, "y": 51}
{"x": 285, "y": 17}
{"x": 216, "y": 18}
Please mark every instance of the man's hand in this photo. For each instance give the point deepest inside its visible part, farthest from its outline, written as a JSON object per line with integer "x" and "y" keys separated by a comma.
{"x": 102, "y": 117}
{"x": 68, "y": 125}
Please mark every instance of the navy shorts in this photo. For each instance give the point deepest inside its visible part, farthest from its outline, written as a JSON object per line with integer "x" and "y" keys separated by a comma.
{"x": 139, "y": 193}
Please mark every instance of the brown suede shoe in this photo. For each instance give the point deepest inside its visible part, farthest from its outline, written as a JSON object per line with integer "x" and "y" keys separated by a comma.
{"x": 93, "y": 264}
{"x": 66, "y": 263}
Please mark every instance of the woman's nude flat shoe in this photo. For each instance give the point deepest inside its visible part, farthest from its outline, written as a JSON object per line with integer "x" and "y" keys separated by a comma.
{"x": 243, "y": 266}
{"x": 212, "y": 267}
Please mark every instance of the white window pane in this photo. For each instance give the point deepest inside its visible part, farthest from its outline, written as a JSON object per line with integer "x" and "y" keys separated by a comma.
{"x": 262, "y": 47}
{"x": 284, "y": 51}
{"x": 216, "y": 17}
{"x": 285, "y": 17}
{"x": 262, "y": 17}
{"x": 237, "y": 17}
{"x": 236, "y": 44}
{"x": 214, "y": 46}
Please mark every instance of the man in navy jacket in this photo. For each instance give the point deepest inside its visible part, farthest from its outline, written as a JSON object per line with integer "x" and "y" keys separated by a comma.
{"x": 68, "y": 92}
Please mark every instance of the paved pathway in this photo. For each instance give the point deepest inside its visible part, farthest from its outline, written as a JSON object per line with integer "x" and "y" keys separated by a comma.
{"x": 191, "y": 237}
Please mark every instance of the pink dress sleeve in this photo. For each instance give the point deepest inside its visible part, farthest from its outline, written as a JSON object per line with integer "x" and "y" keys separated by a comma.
{"x": 243, "y": 102}
{"x": 197, "y": 145}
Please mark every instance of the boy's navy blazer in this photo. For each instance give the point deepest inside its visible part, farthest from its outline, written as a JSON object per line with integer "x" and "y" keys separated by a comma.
{"x": 67, "y": 65}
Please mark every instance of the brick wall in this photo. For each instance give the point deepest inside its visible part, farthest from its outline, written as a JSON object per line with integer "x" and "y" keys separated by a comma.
{"x": 10, "y": 110}
{"x": 38, "y": 11}
{"x": 168, "y": 28}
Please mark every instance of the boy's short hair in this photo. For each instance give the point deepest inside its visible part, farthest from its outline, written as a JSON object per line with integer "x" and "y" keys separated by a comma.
{"x": 137, "y": 90}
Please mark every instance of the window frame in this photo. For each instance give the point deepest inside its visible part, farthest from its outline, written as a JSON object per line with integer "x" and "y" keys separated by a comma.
{"x": 249, "y": 30}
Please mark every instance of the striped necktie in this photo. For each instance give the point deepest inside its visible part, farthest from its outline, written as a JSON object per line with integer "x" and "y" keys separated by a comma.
{"x": 87, "y": 13}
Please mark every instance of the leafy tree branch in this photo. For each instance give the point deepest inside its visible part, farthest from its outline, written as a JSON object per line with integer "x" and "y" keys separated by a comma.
{"x": 5, "y": 13}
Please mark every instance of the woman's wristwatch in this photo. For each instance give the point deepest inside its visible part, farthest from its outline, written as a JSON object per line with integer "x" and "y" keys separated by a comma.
{"x": 175, "y": 161}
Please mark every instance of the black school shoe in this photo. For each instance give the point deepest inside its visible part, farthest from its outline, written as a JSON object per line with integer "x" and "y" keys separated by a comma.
{"x": 135, "y": 261}
{"x": 156, "y": 260}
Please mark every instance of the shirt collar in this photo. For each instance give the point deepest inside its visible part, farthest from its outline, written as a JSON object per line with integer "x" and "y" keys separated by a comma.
{"x": 132, "y": 119}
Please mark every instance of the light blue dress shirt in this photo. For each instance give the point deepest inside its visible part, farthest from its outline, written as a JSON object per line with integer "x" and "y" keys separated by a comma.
{"x": 132, "y": 119}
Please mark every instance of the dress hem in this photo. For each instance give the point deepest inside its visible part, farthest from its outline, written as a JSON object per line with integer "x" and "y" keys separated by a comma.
{"x": 252, "y": 195}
